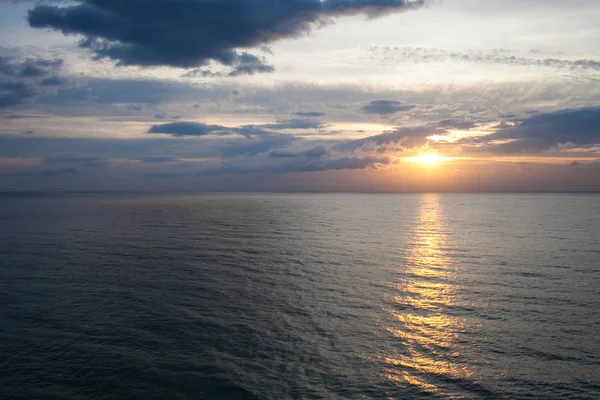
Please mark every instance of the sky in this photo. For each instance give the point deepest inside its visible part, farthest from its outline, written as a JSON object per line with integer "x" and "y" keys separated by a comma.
{"x": 300, "y": 95}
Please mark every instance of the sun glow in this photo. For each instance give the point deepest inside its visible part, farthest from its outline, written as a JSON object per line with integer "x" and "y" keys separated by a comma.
{"x": 429, "y": 158}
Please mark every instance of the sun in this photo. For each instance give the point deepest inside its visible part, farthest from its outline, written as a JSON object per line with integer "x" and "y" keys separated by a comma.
{"x": 429, "y": 158}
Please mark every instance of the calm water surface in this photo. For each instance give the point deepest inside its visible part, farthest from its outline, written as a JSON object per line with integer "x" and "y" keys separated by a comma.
{"x": 181, "y": 296}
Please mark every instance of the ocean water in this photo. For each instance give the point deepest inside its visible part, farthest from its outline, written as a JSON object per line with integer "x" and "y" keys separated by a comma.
{"x": 309, "y": 296}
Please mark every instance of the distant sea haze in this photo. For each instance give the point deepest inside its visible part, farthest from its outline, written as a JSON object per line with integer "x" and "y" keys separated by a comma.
{"x": 299, "y": 296}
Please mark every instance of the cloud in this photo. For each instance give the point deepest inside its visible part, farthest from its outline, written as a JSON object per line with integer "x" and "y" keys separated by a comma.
{"x": 384, "y": 107}
{"x": 134, "y": 92}
{"x": 246, "y": 140}
{"x": 23, "y": 80}
{"x": 457, "y": 124}
{"x": 336, "y": 164}
{"x": 192, "y": 33}
{"x": 201, "y": 73}
{"x": 29, "y": 68}
{"x": 56, "y": 149}
{"x": 69, "y": 149}
{"x": 49, "y": 172}
{"x": 191, "y": 129}
{"x": 90, "y": 162}
{"x": 53, "y": 81}
{"x": 54, "y": 166}
{"x": 163, "y": 175}
{"x": 19, "y": 116}
{"x": 310, "y": 113}
{"x": 315, "y": 152}
{"x": 476, "y": 103}
{"x": 294, "y": 124}
{"x": 256, "y": 145}
{"x": 543, "y": 131}
{"x": 158, "y": 159}
{"x": 407, "y": 137}
{"x": 14, "y": 93}
{"x": 297, "y": 164}
{"x": 249, "y": 64}
{"x": 420, "y": 55}
{"x": 245, "y": 64}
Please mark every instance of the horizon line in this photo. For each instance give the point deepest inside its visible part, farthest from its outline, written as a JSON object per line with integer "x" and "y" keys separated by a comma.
{"x": 3, "y": 192}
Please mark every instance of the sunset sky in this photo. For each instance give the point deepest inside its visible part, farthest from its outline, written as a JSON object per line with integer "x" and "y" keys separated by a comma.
{"x": 294, "y": 95}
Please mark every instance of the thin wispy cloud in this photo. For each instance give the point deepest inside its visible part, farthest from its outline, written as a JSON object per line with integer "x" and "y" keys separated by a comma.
{"x": 418, "y": 55}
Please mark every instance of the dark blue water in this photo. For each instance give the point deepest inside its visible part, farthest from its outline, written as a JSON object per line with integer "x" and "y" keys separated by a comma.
{"x": 165, "y": 296}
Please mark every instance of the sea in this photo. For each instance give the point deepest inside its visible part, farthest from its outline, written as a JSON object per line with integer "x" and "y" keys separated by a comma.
{"x": 299, "y": 296}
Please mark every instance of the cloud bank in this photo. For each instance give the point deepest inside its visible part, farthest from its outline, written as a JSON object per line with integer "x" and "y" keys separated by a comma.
{"x": 23, "y": 80}
{"x": 192, "y": 33}
{"x": 383, "y": 107}
{"x": 543, "y": 131}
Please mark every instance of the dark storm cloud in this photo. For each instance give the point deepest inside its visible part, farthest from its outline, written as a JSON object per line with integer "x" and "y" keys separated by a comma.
{"x": 23, "y": 80}
{"x": 385, "y": 107}
{"x": 191, "y": 33}
{"x": 580, "y": 127}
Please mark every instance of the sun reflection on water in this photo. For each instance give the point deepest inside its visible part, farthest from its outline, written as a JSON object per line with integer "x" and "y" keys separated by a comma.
{"x": 427, "y": 352}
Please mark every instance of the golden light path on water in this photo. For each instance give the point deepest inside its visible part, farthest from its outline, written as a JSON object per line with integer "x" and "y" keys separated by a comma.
{"x": 428, "y": 335}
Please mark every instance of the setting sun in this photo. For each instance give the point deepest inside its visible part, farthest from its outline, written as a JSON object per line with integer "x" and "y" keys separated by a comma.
{"x": 429, "y": 158}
